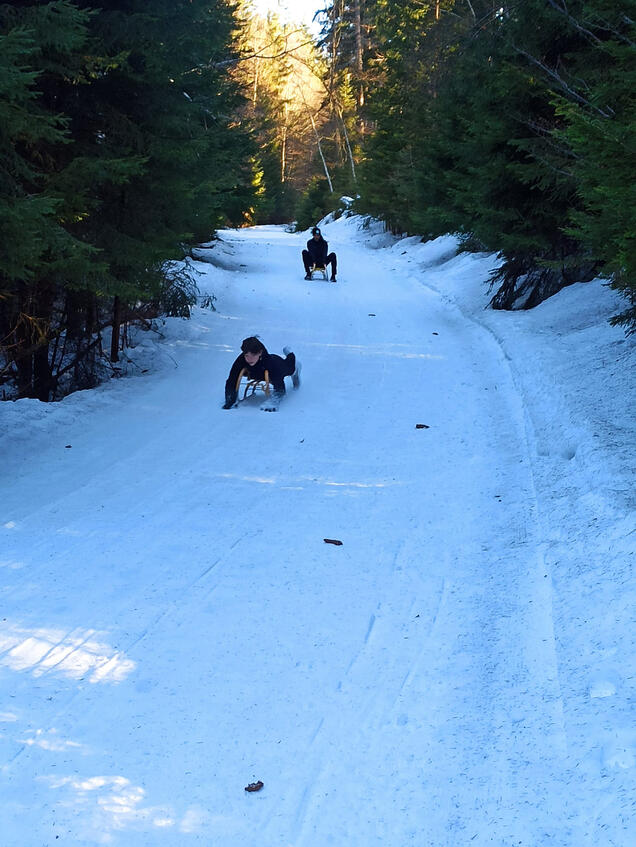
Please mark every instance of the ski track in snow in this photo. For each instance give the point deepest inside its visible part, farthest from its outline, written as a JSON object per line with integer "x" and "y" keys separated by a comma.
{"x": 174, "y": 626}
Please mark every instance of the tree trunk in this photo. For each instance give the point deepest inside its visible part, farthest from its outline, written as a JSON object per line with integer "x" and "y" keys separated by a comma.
{"x": 349, "y": 150}
{"x": 114, "y": 342}
{"x": 357, "y": 23}
{"x": 32, "y": 337}
{"x": 23, "y": 365}
{"x": 324, "y": 163}
{"x": 90, "y": 318}
{"x": 21, "y": 341}
{"x": 42, "y": 373}
{"x": 283, "y": 149}
{"x": 255, "y": 89}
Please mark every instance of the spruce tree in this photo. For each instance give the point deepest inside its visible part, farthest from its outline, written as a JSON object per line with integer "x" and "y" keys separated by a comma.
{"x": 600, "y": 129}
{"x": 466, "y": 139}
{"x": 37, "y": 250}
{"x": 153, "y": 158}
{"x": 411, "y": 41}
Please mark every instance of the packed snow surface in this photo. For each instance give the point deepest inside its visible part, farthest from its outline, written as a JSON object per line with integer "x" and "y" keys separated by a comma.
{"x": 459, "y": 672}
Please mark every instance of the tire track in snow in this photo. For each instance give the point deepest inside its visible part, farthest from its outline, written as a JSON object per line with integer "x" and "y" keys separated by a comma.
{"x": 179, "y": 602}
{"x": 502, "y": 769}
{"x": 413, "y": 669}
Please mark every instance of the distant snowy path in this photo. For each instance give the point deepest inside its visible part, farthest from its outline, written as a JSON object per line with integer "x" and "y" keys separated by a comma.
{"x": 174, "y": 626}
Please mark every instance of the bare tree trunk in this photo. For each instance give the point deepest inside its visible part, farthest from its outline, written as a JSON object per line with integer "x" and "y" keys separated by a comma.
{"x": 91, "y": 314}
{"x": 324, "y": 163}
{"x": 282, "y": 155}
{"x": 42, "y": 373}
{"x": 255, "y": 91}
{"x": 42, "y": 305}
{"x": 313, "y": 125}
{"x": 21, "y": 338}
{"x": 335, "y": 39}
{"x": 357, "y": 23}
{"x": 114, "y": 341}
{"x": 283, "y": 147}
{"x": 349, "y": 151}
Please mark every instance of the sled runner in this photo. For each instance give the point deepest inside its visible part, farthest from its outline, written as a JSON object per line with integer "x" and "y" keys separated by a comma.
{"x": 251, "y": 386}
{"x": 318, "y": 269}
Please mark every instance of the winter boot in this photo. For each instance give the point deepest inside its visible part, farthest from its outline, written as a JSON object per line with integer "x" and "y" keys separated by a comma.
{"x": 296, "y": 374}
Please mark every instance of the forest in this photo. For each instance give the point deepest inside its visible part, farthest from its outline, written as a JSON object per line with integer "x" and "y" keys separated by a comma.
{"x": 131, "y": 132}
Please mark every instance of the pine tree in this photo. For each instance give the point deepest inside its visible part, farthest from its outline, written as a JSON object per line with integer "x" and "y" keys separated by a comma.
{"x": 36, "y": 249}
{"x": 600, "y": 129}
{"x": 520, "y": 189}
{"x": 153, "y": 158}
{"x": 410, "y": 41}
{"x": 466, "y": 136}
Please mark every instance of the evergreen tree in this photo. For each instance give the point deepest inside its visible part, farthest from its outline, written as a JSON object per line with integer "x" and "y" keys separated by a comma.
{"x": 466, "y": 136}
{"x": 600, "y": 115}
{"x": 154, "y": 159}
{"x": 348, "y": 35}
{"x": 28, "y": 229}
{"x": 411, "y": 41}
{"x": 316, "y": 202}
{"x": 36, "y": 249}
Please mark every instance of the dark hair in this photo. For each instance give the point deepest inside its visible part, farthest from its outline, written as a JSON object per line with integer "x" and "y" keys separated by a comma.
{"x": 252, "y": 345}
{"x": 315, "y": 231}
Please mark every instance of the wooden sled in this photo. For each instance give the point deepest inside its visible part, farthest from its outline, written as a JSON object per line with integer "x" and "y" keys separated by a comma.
{"x": 318, "y": 270}
{"x": 251, "y": 386}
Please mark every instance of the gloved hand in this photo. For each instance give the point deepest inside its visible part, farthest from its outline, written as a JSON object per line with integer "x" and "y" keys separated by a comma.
{"x": 230, "y": 399}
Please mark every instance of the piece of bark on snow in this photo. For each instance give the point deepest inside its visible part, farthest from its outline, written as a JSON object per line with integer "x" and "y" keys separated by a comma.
{"x": 254, "y": 786}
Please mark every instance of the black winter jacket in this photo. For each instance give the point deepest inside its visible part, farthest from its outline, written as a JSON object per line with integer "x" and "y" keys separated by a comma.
{"x": 276, "y": 365}
{"x": 318, "y": 251}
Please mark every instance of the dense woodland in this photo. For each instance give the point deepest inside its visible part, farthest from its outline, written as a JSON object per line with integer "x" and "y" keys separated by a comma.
{"x": 130, "y": 132}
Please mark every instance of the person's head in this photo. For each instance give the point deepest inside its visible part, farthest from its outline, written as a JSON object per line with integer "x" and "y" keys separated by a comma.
{"x": 316, "y": 233}
{"x": 252, "y": 348}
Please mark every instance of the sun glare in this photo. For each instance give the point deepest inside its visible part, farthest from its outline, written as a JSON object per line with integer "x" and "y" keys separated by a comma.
{"x": 300, "y": 11}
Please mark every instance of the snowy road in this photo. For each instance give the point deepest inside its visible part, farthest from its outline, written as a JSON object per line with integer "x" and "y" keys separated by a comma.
{"x": 174, "y": 626}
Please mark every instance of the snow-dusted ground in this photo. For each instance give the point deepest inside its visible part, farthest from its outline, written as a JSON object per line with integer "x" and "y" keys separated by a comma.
{"x": 461, "y": 671}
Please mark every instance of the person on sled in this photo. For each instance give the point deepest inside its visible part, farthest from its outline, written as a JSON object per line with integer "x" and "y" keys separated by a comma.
{"x": 257, "y": 360}
{"x": 317, "y": 254}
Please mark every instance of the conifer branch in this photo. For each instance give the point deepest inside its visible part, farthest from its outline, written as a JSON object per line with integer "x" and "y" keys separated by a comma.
{"x": 560, "y": 7}
{"x": 603, "y": 25}
{"x": 226, "y": 63}
{"x": 606, "y": 113}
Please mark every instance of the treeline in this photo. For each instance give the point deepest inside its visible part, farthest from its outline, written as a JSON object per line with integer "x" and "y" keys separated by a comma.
{"x": 121, "y": 144}
{"x": 301, "y": 110}
{"x": 130, "y": 132}
{"x": 510, "y": 123}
